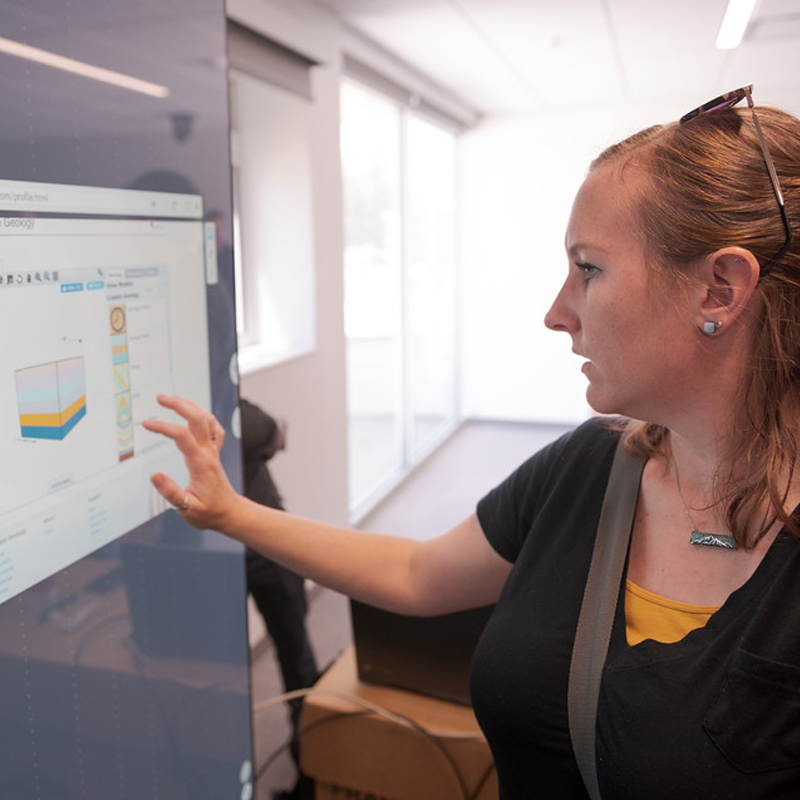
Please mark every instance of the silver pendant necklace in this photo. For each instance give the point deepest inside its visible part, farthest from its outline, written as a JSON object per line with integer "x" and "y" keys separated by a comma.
{"x": 703, "y": 538}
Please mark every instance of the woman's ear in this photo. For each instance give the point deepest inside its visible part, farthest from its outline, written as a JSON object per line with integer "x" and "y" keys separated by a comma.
{"x": 729, "y": 278}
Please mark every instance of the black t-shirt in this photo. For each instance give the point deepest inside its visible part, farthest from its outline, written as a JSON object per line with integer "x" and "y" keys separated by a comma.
{"x": 716, "y": 715}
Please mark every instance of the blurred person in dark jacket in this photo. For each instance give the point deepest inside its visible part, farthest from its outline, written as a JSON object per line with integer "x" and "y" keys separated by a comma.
{"x": 279, "y": 593}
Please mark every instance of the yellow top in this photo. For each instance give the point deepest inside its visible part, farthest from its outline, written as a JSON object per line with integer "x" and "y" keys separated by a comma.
{"x": 649, "y": 616}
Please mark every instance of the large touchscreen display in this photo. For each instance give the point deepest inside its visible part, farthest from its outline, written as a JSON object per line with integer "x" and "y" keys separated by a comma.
{"x": 100, "y": 314}
{"x": 123, "y": 633}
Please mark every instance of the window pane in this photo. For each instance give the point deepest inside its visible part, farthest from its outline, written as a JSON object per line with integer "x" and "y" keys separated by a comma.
{"x": 431, "y": 280}
{"x": 370, "y": 142}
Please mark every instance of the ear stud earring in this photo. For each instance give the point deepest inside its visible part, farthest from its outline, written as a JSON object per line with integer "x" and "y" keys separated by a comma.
{"x": 711, "y": 327}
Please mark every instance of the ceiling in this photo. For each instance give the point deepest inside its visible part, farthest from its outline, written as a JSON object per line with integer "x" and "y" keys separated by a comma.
{"x": 496, "y": 56}
{"x": 505, "y": 56}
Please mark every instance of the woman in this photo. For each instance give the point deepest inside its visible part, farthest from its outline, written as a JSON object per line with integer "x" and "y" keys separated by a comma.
{"x": 683, "y": 296}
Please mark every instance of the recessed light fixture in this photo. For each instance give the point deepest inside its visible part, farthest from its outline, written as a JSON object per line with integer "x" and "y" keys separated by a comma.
{"x": 65, "y": 64}
{"x": 734, "y": 23}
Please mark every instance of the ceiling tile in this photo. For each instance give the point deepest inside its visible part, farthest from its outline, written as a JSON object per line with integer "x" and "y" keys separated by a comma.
{"x": 516, "y": 55}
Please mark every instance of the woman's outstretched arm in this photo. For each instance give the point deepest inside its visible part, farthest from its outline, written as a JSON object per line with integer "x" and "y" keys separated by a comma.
{"x": 454, "y": 571}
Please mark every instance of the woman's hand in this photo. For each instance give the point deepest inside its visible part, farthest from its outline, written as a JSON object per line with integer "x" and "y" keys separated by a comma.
{"x": 208, "y": 500}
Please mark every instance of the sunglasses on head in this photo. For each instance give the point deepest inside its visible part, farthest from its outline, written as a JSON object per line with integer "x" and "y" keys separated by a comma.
{"x": 728, "y": 100}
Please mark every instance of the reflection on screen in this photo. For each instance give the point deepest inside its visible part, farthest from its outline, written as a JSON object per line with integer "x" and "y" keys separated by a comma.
{"x": 99, "y": 315}
{"x": 123, "y": 638}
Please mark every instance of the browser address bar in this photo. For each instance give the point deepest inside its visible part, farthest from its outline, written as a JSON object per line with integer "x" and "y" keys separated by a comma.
{"x": 25, "y": 196}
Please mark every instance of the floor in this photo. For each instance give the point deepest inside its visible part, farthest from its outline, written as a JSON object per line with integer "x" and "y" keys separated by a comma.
{"x": 441, "y": 493}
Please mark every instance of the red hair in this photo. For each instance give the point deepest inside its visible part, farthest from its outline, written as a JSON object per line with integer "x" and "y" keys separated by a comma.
{"x": 709, "y": 188}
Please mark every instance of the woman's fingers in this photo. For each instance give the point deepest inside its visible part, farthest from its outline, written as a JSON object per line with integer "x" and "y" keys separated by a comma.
{"x": 204, "y": 426}
{"x": 171, "y": 430}
{"x": 217, "y": 434}
{"x": 187, "y": 409}
{"x": 202, "y": 503}
{"x": 184, "y": 502}
{"x": 168, "y": 489}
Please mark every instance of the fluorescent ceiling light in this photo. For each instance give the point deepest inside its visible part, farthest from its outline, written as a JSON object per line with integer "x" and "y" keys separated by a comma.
{"x": 81, "y": 68}
{"x": 734, "y": 23}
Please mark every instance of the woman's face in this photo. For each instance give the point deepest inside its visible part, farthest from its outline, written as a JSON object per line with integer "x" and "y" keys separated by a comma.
{"x": 635, "y": 335}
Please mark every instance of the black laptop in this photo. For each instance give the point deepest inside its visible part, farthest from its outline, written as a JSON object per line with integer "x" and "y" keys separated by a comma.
{"x": 428, "y": 655}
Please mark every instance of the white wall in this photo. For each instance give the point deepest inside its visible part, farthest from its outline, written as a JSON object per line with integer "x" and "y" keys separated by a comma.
{"x": 521, "y": 174}
{"x": 309, "y": 391}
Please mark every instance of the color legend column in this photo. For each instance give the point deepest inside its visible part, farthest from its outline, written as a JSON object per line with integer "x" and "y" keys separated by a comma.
{"x": 122, "y": 381}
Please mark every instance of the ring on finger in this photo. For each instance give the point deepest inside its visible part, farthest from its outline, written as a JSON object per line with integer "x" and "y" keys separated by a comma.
{"x": 181, "y": 506}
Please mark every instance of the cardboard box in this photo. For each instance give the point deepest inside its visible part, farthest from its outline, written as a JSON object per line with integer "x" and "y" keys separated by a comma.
{"x": 365, "y": 742}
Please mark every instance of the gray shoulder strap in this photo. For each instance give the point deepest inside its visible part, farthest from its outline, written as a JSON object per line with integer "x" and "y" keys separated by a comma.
{"x": 598, "y": 608}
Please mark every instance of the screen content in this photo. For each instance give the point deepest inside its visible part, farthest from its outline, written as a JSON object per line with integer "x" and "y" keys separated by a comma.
{"x": 124, "y": 660}
{"x": 104, "y": 314}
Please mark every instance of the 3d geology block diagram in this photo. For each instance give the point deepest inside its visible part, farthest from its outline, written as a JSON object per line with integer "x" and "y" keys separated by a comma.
{"x": 51, "y": 398}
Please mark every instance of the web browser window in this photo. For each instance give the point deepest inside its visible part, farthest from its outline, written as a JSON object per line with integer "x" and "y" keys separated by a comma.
{"x": 102, "y": 306}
